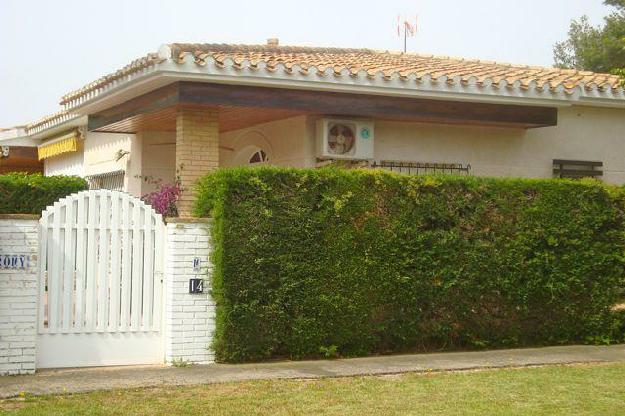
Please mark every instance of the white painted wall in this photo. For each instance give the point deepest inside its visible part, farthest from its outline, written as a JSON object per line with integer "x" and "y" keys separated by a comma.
{"x": 583, "y": 133}
{"x": 18, "y": 294}
{"x": 69, "y": 164}
{"x": 101, "y": 150}
{"x": 159, "y": 158}
{"x": 97, "y": 154}
{"x": 189, "y": 318}
{"x": 287, "y": 143}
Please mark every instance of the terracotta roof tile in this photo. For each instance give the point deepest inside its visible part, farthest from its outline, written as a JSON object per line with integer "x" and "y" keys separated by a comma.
{"x": 356, "y": 60}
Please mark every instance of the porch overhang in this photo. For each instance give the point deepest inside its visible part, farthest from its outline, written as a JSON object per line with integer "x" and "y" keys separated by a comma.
{"x": 240, "y": 106}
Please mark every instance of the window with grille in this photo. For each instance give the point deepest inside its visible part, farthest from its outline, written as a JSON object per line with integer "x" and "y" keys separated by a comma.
{"x": 109, "y": 180}
{"x": 417, "y": 168}
{"x": 576, "y": 169}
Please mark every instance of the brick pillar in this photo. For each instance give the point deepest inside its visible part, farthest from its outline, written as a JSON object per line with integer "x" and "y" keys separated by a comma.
{"x": 19, "y": 246}
{"x": 197, "y": 151}
{"x": 189, "y": 317}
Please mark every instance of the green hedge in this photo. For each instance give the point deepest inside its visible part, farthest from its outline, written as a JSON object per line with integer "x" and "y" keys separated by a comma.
{"x": 30, "y": 194}
{"x": 349, "y": 262}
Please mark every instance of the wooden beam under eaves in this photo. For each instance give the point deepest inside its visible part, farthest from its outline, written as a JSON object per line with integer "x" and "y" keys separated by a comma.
{"x": 379, "y": 107}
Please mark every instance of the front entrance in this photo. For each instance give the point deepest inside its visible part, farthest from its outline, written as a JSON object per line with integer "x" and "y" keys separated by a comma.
{"x": 100, "y": 282}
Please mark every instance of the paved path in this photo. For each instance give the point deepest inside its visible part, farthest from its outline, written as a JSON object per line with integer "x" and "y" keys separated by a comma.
{"x": 90, "y": 379}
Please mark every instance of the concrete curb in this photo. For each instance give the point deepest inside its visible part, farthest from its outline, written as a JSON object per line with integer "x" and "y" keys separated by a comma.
{"x": 91, "y": 379}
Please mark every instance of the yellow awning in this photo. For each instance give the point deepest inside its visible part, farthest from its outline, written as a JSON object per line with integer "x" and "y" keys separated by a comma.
{"x": 64, "y": 143}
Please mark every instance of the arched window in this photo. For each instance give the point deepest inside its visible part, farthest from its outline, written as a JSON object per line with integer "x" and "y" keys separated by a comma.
{"x": 259, "y": 156}
{"x": 251, "y": 149}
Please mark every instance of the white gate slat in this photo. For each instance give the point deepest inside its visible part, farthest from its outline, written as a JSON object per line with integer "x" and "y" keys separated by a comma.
{"x": 137, "y": 263}
{"x": 103, "y": 262}
{"x": 126, "y": 264}
{"x": 115, "y": 257}
{"x": 43, "y": 266}
{"x": 148, "y": 269}
{"x": 159, "y": 237}
{"x": 68, "y": 267}
{"x": 81, "y": 258}
{"x": 54, "y": 278}
{"x": 50, "y": 271}
{"x": 91, "y": 301}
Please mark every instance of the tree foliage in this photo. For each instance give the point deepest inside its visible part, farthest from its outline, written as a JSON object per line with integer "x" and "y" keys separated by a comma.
{"x": 616, "y": 3}
{"x": 598, "y": 49}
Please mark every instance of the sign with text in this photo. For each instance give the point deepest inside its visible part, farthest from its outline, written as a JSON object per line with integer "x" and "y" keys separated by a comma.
{"x": 196, "y": 286}
{"x": 14, "y": 261}
{"x": 196, "y": 264}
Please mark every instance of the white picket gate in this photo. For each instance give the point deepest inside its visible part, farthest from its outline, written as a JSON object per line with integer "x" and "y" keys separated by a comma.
{"x": 100, "y": 282}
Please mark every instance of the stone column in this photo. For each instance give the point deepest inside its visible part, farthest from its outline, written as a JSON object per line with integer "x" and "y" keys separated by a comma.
{"x": 19, "y": 246}
{"x": 189, "y": 317}
{"x": 197, "y": 151}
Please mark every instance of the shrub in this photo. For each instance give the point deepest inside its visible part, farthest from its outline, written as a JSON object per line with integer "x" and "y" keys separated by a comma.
{"x": 31, "y": 193}
{"x": 359, "y": 262}
{"x": 164, "y": 198}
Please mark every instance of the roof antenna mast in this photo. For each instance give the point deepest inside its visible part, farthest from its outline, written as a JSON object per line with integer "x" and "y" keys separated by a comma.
{"x": 410, "y": 28}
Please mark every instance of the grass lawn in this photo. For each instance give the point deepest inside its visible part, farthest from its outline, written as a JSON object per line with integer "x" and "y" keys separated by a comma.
{"x": 563, "y": 390}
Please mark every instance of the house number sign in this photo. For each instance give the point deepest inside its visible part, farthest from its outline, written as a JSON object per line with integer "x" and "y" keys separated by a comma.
{"x": 196, "y": 285}
{"x": 14, "y": 261}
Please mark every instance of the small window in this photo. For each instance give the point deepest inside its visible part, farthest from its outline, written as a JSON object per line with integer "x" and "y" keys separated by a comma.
{"x": 259, "y": 156}
{"x": 109, "y": 180}
{"x": 576, "y": 169}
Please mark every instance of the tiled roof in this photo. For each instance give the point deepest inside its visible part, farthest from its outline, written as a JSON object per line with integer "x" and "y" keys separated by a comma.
{"x": 133, "y": 67}
{"x": 367, "y": 63}
{"x": 50, "y": 121}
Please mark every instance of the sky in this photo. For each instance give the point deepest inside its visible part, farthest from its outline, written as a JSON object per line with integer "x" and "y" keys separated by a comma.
{"x": 51, "y": 47}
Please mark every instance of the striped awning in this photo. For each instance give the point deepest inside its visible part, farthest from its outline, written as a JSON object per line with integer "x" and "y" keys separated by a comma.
{"x": 65, "y": 143}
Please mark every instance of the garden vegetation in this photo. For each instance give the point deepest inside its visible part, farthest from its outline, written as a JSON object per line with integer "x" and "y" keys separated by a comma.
{"x": 329, "y": 262}
{"x": 22, "y": 193}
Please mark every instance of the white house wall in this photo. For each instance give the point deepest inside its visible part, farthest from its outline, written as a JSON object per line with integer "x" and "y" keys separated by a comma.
{"x": 582, "y": 133}
{"x": 287, "y": 143}
{"x": 68, "y": 164}
{"x": 101, "y": 150}
{"x": 159, "y": 158}
{"x": 101, "y": 156}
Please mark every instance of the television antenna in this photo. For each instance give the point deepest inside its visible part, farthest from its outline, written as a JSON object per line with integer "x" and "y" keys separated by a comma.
{"x": 409, "y": 26}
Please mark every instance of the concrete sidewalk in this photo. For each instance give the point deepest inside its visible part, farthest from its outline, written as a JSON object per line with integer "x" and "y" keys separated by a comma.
{"x": 90, "y": 379}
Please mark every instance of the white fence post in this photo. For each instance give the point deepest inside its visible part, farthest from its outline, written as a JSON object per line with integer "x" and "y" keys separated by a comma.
{"x": 19, "y": 247}
{"x": 189, "y": 317}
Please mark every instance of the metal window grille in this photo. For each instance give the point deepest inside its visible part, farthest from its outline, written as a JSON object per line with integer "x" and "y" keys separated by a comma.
{"x": 576, "y": 169}
{"x": 109, "y": 180}
{"x": 419, "y": 168}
